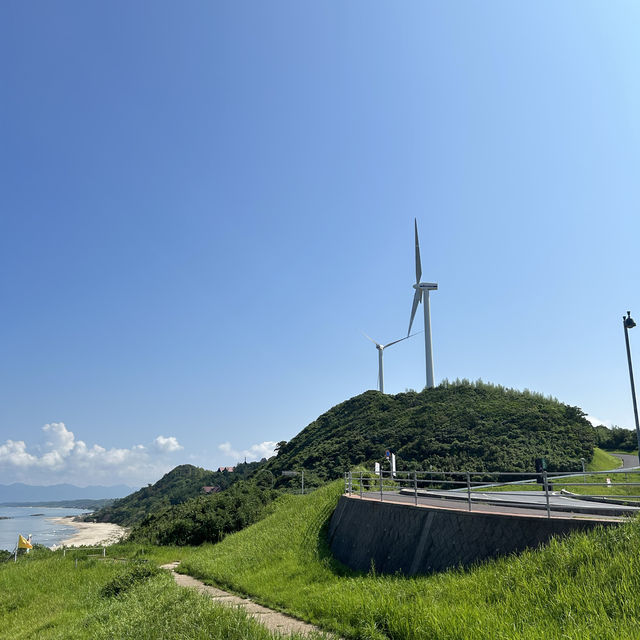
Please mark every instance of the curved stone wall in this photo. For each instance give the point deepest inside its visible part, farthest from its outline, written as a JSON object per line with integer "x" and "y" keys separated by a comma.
{"x": 412, "y": 540}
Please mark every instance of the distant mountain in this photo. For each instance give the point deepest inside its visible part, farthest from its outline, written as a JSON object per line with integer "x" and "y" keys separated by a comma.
{"x": 20, "y": 492}
{"x": 82, "y": 503}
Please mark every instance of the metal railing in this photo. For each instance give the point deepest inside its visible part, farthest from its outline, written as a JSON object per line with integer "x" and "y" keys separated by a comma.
{"x": 455, "y": 484}
{"x": 84, "y": 550}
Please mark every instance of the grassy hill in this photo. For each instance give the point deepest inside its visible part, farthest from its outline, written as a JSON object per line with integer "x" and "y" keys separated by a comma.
{"x": 177, "y": 486}
{"x": 208, "y": 518}
{"x": 454, "y": 426}
{"x": 583, "y": 587}
{"x": 46, "y": 596}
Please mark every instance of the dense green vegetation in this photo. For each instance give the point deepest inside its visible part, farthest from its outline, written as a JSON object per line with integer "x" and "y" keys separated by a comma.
{"x": 208, "y": 518}
{"x": 45, "y": 597}
{"x": 616, "y": 439}
{"x": 175, "y": 487}
{"x": 454, "y": 426}
{"x": 586, "y": 586}
{"x": 582, "y": 587}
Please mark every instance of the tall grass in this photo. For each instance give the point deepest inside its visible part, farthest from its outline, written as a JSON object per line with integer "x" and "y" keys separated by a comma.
{"x": 603, "y": 461}
{"x": 46, "y": 597}
{"x": 586, "y": 586}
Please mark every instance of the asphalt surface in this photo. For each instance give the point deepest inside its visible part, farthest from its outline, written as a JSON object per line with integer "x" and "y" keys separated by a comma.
{"x": 537, "y": 500}
{"x": 529, "y": 503}
{"x": 629, "y": 461}
{"x": 516, "y": 503}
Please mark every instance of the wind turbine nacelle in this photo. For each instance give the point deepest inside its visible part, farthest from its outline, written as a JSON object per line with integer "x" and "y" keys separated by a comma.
{"x": 428, "y": 286}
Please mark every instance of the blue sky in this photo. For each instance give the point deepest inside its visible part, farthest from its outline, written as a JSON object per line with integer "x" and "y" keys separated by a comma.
{"x": 203, "y": 204}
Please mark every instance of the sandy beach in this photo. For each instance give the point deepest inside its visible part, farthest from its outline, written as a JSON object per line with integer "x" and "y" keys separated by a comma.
{"x": 91, "y": 533}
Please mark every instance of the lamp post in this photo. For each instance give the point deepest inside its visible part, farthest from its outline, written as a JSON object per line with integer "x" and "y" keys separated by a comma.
{"x": 628, "y": 323}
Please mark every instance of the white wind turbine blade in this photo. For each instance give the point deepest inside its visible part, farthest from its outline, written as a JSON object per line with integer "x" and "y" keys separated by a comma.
{"x": 372, "y": 340}
{"x": 416, "y": 301}
{"x": 418, "y": 263}
{"x": 400, "y": 340}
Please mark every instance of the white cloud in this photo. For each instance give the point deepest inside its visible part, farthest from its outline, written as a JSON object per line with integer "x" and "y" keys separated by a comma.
{"x": 66, "y": 459}
{"x": 254, "y": 452}
{"x": 597, "y": 422}
{"x": 169, "y": 444}
{"x": 16, "y": 453}
{"x": 62, "y": 440}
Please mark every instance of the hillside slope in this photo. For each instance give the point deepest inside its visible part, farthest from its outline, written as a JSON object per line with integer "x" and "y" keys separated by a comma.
{"x": 177, "y": 486}
{"x": 454, "y": 426}
{"x": 583, "y": 587}
{"x": 207, "y": 518}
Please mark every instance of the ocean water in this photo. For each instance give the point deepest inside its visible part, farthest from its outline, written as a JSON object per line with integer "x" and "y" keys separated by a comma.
{"x": 35, "y": 521}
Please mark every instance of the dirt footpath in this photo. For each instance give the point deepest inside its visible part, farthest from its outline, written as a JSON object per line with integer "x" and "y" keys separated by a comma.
{"x": 273, "y": 620}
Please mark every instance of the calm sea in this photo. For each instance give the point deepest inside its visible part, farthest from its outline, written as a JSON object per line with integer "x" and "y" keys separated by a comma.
{"x": 34, "y": 521}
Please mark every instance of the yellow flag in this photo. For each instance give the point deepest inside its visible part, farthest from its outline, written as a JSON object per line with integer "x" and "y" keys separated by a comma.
{"x": 23, "y": 543}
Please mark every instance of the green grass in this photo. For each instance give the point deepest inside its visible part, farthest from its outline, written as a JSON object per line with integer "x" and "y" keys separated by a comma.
{"x": 593, "y": 485}
{"x": 603, "y": 461}
{"x": 44, "y": 596}
{"x": 584, "y": 587}
{"x": 633, "y": 452}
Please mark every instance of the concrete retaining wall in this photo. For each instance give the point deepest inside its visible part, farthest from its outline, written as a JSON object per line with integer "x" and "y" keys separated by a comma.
{"x": 413, "y": 540}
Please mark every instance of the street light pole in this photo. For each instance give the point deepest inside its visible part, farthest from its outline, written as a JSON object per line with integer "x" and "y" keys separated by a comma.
{"x": 628, "y": 323}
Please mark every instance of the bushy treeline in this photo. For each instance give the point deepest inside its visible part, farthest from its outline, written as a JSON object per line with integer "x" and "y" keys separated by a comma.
{"x": 208, "y": 518}
{"x": 177, "y": 486}
{"x": 616, "y": 438}
{"x": 456, "y": 426}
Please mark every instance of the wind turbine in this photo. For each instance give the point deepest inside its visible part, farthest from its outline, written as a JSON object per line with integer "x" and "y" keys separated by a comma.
{"x": 422, "y": 295}
{"x": 381, "y": 348}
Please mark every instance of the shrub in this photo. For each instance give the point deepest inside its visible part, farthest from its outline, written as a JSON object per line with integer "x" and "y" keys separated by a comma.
{"x": 134, "y": 574}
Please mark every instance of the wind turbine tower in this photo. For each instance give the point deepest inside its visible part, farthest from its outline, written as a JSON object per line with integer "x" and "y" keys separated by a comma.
{"x": 422, "y": 295}
{"x": 381, "y": 348}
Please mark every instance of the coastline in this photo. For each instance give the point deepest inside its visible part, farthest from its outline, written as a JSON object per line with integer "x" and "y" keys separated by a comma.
{"x": 90, "y": 533}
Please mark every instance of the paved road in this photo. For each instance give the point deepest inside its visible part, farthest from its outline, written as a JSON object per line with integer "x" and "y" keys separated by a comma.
{"x": 538, "y": 499}
{"x": 532, "y": 503}
{"x": 514, "y": 503}
{"x": 629, "y": 461}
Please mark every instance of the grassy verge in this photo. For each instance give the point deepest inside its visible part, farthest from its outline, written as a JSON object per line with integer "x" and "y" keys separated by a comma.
{"x": 603, "y": 461}
{"x": 45, "y": 596}
{"x": 596, "y": 485}
{"x": 584, "y": 587}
